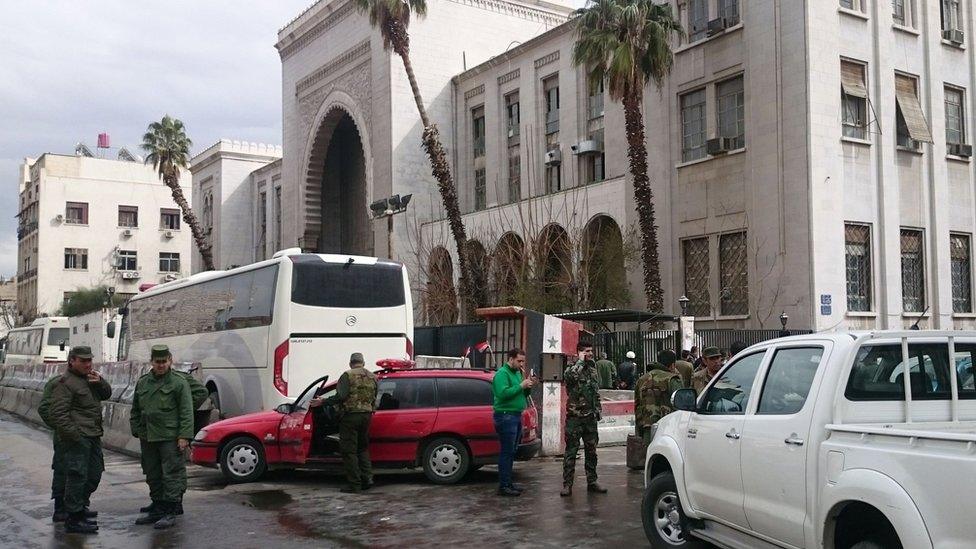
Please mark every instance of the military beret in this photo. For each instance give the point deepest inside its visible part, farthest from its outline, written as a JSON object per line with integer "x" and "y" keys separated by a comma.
{"x": 710, "y": 352}
{"x": 81, "y": 351}
{"x": 159, "y": 351}
{"x": 356, "y": 358}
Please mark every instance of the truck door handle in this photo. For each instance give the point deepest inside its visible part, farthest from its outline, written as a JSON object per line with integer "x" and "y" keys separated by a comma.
{"x": 733, "y": 435}
{"x": 794, "y": 440}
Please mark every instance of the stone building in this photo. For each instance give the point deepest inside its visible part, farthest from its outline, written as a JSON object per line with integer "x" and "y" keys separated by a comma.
{"x": 807, "y": 158}
{"x": 85, "y": 222}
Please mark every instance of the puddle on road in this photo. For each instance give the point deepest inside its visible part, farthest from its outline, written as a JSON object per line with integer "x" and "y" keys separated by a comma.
{"x": 268, "y": 500}
{"x": 278, "y": 500}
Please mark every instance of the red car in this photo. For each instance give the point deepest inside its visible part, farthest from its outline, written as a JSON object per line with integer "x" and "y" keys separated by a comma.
{"x": 438, "y": 419}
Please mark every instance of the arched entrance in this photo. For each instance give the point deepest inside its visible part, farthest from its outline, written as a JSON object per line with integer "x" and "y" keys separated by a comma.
{"x": 602, "y": 264}
{"x": 337, "y": 189}
{"x": 479, "y": 265}
{"x": 440, "y": 300}
{"x": 508, "y": 269}
{"x": 555, "y": 269}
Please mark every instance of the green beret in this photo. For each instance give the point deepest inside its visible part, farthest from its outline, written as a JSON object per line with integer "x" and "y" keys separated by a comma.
{"x": 81, "y": 351}
{"x": 159, "y": 351}
{"x": 710, "y": 352}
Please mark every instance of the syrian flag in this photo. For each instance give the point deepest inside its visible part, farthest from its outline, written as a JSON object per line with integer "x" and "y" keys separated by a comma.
{"x": 559, "y": 336}
{"x": 480, "y": 347}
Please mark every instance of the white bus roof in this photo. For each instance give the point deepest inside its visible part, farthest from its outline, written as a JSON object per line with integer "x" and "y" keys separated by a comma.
{"x": 278, "y": 258}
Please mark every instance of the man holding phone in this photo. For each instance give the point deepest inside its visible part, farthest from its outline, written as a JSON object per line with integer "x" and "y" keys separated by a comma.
{"x": 583, "y": 411}
{"x": 510, "y": 390}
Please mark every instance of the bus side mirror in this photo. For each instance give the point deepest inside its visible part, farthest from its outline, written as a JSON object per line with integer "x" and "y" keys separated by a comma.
{"x": 61, "y": 345}
{"x": 684, "y": 399}
{"x": 110, "y": 330}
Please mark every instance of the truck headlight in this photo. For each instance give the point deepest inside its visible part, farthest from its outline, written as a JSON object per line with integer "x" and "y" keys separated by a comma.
{"x": 201, "y": 435}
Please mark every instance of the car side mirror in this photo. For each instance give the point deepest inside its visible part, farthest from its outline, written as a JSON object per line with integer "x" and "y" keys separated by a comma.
{"x": 110, "y": 330}
{"x": 284, "y": 408}
{"x": 685, "y": 399}
{"x": 61, "y": 345}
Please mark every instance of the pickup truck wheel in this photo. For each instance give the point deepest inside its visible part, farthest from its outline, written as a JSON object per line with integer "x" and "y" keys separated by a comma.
{"x": 868, "y": 544}
{"x": 446, "y": 460}
{"x": 665, "y": 524}
{"x": 242, "y": 460}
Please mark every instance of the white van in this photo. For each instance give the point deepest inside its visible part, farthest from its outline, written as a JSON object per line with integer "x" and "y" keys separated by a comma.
{"x": 45, "y": 340}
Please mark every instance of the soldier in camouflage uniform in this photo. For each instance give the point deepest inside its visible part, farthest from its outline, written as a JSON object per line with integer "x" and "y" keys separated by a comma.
{"x": 76, "y": 414}
{"x": 652, "y": 395}
{"x": 356, "y": 400}
{"x": 162, "y": 419}
{"x": 57, "y": 467}
{"x": 583, "y": 411}
{"x": 712, "y": 360}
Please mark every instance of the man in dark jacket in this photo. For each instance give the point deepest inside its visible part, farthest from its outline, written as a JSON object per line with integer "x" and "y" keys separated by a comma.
{"x": 57, "y": 465}
{"x": 76, "y": 413}
{"x": 626, "y": 371}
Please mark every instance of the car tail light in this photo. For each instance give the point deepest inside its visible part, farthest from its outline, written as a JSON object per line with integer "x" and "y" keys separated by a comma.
{"x": 279, "y": 364}
{"x": 409, "y": 348}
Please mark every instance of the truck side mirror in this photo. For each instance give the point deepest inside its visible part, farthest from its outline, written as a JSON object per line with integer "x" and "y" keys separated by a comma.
{"x": 110, "y": 330}
{"x": 685, "y": 399}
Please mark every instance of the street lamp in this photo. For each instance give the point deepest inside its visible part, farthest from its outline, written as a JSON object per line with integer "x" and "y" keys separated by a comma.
{"x": 388, "y": 207}
{"x": 683, "y": 302}
{"x": 783, "y": 319}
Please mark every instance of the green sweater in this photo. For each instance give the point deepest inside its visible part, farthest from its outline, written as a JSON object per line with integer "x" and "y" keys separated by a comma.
{"x": 506, "y": 386}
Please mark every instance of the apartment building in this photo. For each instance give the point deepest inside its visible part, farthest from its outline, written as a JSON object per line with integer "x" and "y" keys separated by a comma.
{"x": 86, "y": 221}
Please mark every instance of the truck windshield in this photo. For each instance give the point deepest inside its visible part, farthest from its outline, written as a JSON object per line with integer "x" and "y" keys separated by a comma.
{"x": 347, "y": 285}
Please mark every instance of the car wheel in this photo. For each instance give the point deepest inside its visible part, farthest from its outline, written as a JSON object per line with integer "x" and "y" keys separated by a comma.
{"x": 242, "y": 460}
{"x": 446, "y": 460}
{"x": 665, "y": 524}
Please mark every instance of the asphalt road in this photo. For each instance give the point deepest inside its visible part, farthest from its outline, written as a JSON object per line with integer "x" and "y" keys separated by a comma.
{"x": 306, "y": 509}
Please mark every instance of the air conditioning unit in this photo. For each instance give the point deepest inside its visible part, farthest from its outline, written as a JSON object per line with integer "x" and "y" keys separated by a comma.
{"x": 955, "y": 36}
{"x": 590, "y": 146}
{"x": 554, "y": 157}
{"x": 127, "y": 233}
{"x": 716, "y": 26}
{"x": 130, "y": 275}
{"x": 960, "y": 149}
{"x": 169, "y": 234}
{"x": 170, "y": 277}
{"x": 59, "y": 218}
{"x": 718, "y": 145}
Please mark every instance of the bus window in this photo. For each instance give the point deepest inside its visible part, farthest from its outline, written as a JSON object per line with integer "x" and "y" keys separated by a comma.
{"x": 347, "y": 285}
{"x": 56, "y": 335}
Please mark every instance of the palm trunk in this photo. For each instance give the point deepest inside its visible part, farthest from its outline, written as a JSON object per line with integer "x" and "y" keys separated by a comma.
{"x": 206, "y": 252}
{"x": 637, "y": 154}
{"x": 439, "y": 167}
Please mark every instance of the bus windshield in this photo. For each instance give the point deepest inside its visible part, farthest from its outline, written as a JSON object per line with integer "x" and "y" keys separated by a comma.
{"x": 348, "y": 285}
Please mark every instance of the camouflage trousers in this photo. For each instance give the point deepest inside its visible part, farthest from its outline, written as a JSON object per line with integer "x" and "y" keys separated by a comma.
{"x": 165, "y": 468}
{"x": 354, "y": 447}
{"x": 83, "y": 465}
{"x": 577, "y": 429}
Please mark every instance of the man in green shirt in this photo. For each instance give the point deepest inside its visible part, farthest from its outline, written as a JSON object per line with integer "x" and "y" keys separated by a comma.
{"x": 510, "y": 389}
{"x": 607, "y": 371}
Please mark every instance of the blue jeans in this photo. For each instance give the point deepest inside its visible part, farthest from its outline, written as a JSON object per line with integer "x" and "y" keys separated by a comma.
{"x": 509, "y": 429}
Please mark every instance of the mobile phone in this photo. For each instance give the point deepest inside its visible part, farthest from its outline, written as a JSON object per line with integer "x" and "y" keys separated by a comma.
{"x": 532, "y": 372}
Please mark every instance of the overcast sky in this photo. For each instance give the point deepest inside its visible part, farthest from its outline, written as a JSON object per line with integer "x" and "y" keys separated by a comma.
{"x": 70, "y": 70}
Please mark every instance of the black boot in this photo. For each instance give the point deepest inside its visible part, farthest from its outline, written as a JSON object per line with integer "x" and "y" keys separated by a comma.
{"x": 89, "y": 514}
{"x": 76, "y": 524}
{"x": 149, "y": 508}
{"x": 168, "y": 520}
{"x": 60, "y": 515}
{"x": 179, "y": 508}
{"x": 158, "y": 510}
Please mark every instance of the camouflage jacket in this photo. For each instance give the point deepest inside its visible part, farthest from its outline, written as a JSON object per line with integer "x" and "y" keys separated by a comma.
{"x": 356, "y": 391}
{"x": 700, "y": 379}
{"x": 583, "y": 391}
{"x": 652, "y": 394}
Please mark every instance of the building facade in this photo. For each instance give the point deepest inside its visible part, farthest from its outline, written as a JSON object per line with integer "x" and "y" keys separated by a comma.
{"x": 85, "y": 222}
{"x": 225, "y": 197}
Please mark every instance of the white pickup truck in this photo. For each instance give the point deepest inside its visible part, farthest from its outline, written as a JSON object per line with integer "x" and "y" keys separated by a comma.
{"x": 816, "y": 441}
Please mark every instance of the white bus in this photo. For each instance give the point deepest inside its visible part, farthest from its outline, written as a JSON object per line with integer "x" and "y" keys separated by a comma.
{"x": 45, "y": 340}
{"x": 263, "y": 332}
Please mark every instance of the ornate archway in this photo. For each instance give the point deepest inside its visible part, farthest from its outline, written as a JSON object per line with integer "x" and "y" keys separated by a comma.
{"x": 554, "y": 256}
{"x": 508, "y": 269}
{"x": 602, "y": 264}
{"x": 440, "y": 299}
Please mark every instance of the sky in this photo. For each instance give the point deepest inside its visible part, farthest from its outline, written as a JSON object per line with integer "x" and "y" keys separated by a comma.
{"x": 70, "y": 70}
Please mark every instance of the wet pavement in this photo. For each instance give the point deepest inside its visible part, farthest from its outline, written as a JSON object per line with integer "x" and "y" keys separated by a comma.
{"x": 306, "y": 509}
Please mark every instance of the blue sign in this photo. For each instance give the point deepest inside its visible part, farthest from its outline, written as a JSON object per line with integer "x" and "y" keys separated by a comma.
{"x": 825, "y": 299}
{"x": 825, "y": 310}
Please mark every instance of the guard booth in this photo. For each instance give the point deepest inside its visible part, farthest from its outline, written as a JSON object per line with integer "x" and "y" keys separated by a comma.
{"x": 549, "y": 343}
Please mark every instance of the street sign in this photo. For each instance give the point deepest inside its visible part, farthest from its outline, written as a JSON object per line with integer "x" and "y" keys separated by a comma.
{"x": 825, "y": 299}
{"x": 825, "y": 310}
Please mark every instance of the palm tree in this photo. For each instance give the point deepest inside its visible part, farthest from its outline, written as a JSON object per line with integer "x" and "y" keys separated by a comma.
{"x": 628, "y": 43}
{"x": 168, "y": 149}
{"x": 392, "y": 17}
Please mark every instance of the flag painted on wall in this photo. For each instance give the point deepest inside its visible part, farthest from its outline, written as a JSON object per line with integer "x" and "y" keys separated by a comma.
{"x": 559, "y": 336}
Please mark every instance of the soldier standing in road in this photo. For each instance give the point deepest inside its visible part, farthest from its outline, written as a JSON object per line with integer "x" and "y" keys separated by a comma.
{"x": 356, "y": 400}
{"x": 57, "y": 467}
{"x": 76, "y": 414}
{"x": 652, "y": 394}
{"x": 583, "y": 411}
{"x": 162, "y": 420}
{"x": 712, "y": 360}
{"x": 607, "y": 371}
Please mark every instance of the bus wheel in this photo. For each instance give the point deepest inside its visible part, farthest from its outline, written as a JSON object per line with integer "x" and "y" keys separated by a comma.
{"x": 215, "y": 404}
{"x": 242, "y": 460}
{"x": 446, "y": 460}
